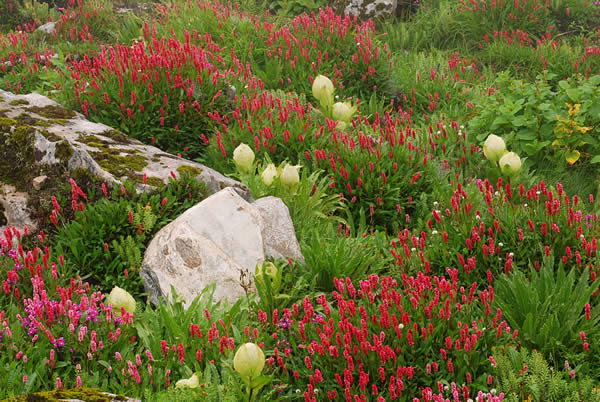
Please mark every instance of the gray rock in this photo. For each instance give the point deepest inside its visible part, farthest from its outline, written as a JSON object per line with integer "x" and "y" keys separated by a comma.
{"x": 214, "y": 242}
{"x": 278, "y": 231}
{"x": 211, "y": 242}
{"x": 15, "y": 209}
{"x": 38, "y": 182}
{"x": 366, "y": 9}
{"x": 48, "y": 28}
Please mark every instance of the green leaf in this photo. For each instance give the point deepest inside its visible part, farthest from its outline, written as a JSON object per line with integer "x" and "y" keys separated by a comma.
{"x": 595, "y": 159}
{"x": 573, "y": 93}
{"x": 572, "y": 156}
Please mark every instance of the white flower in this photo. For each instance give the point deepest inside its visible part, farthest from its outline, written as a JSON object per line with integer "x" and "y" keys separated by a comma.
{"x": 243, "y": 157}
{"x": 290, "y": 177}
{"x": 510, "y": 164}
{"x": 500, "y": 244}
{"x": 435, "y": 203}
{"x": 269, "y": 174}
{"x": 322, "y": 90}
{"x": 120, "y": 298}
{"x": 343, "y": 111}
{"x": 249, "y": 360}
{"x": 511, "y": 255}
{"x": 494, "y": 147}
{"x": 434, "y": 232}
{"x": 191, "y": 382}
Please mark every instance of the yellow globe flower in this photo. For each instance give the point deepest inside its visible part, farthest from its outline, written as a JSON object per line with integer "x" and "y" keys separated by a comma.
{"x": 249, "y": 361}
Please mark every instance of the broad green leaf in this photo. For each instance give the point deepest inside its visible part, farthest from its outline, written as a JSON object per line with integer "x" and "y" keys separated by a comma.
{"x": 572, "y": 156}
{"x": 573, "y": 93}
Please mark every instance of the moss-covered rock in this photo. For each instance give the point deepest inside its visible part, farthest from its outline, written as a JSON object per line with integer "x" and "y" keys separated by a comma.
{"x": 63, "y": 152}
{"x": 83, "y": 394}
{"x": 52, "y": 112}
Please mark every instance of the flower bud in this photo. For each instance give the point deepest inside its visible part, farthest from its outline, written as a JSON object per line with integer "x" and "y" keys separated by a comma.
{"x": 343, "y": 111}
{"x": 243, "y": 157}
{"x": 269, "y": 174}
{"x": 120, "y": 298}
{"x": 494, "y": 147}
{"x": 290, "y": 177}
{"x": 510, "y": 164}
{"x": 249, "y": 361}
{"x": 191, "y": 382}
{"x": 322, "y": 89}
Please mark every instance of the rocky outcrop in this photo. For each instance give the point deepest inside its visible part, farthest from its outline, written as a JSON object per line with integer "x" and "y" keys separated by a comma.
{"x": 214, "y": 242}
{"x": 14, "y": 212}
{"x": 37, "y": 131}
{"x": 366, "y": 9}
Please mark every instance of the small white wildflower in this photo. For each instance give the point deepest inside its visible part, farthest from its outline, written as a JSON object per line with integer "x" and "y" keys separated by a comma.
{"x": 470, "y": 400}
{"x": 401, "y": 326}
{"x": 298, "y": 391}
{"x": 511, "y": 255}
{"x": 493, "y": 391}
{"x": 444, "y": 126}
{"x": 434, "y": 232}
{"x": 439, "y": 132}
{"x": 582, "y": 236}
{"x": 496, "y": 194}
{"x": 316, "y": 391}
{"x": 525, "y": 205}
{"x": 435, "y": 203}
{"x": 538, "y": 192}
{"x": 462, "y": 127}
{"x": 500, "y": 244}
{"x": 413, "y": 249}
{"x": 477, "y": 217}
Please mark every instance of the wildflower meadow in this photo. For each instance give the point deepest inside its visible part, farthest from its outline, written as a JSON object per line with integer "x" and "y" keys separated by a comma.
{"x": 440, "y": 167}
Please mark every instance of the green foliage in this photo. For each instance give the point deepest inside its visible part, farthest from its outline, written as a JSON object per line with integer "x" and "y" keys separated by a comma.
{"x": 330, "y": 256}
{"x": 84, "y": 241}
{"x": 526, "y": 116}
{"x": 547, "y": 308}
{"x": 129, "y": 252}
{"x": 526, "y": 375}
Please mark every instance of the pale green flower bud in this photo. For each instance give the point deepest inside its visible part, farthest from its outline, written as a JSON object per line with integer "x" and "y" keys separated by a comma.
{"x": 192, "y": 382}
{"x": 290, "y": 177}
{"x": 243, "y": 157}
{"x": 322, "y": 89}
{"x": 269, "y": 174}
{"x": 249, "y": 360}
{"x": 494, "y": 147}
{"x": 510, "y": 164}
{"x": 120, "y": 298}
{"x": 343, "y": 111}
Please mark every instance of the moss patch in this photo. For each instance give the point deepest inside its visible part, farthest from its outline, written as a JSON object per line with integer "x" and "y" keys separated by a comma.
{"x": 3, "y": 220}
{"x": 6, "y": 124}
{"x": 52, "y": 112}
{"x": 119, "y": 165}
{"x": 84, "y": 394}
{"x": 50, "y": 136}
{"x": 63, "y": 152}
{"x": 187, "y": 169}
{"x": 117, "y": 136}
{"x": 16, "y": 153}
{"x": 27, "y": 119}
{"x": 18, "y": 102}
